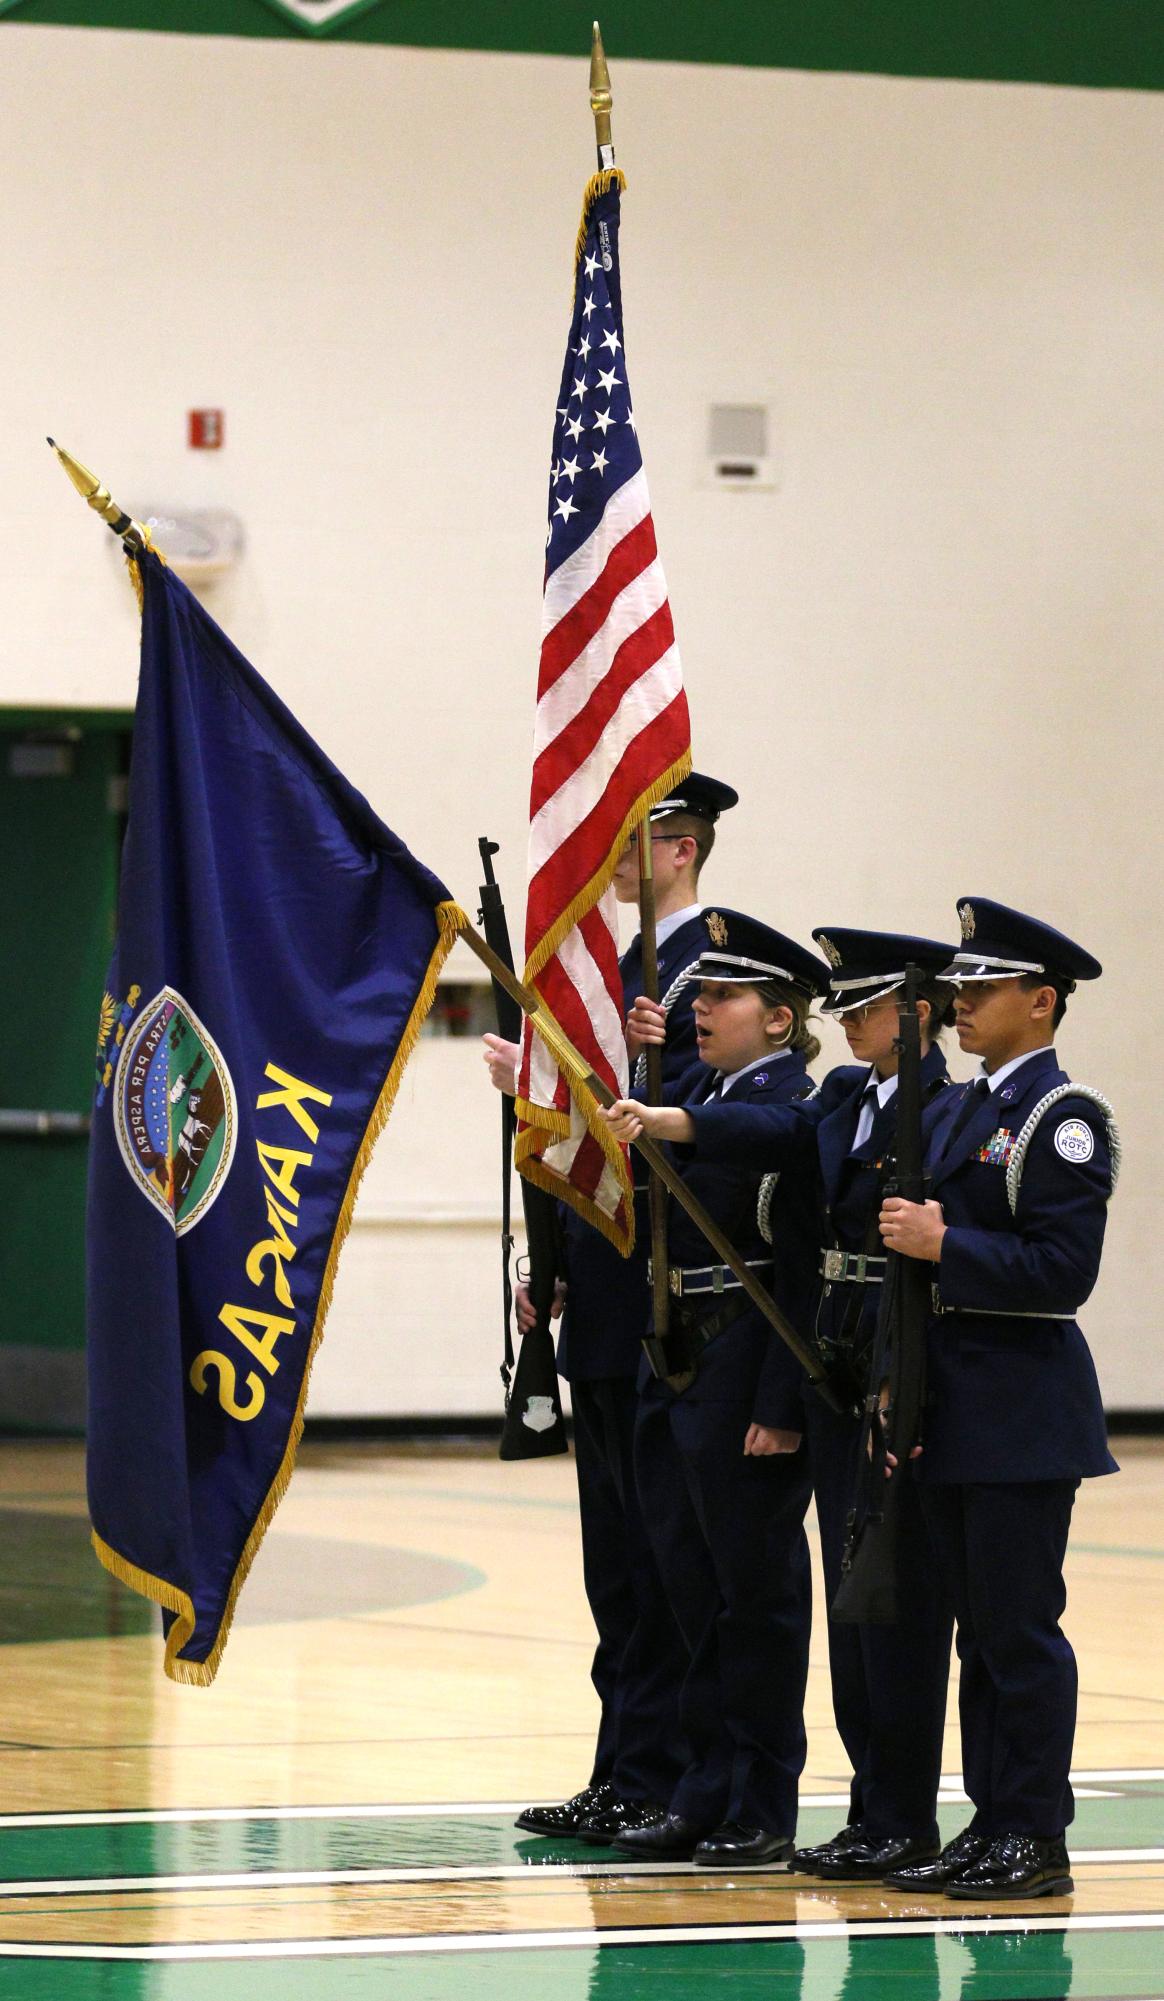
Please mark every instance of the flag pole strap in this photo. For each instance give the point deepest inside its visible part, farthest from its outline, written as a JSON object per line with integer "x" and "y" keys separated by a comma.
{"x": 587, "y": 1083}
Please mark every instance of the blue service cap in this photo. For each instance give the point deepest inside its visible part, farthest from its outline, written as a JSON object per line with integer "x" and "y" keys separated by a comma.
{"x": 744, "y": 952}
{"x": 867, "y": 965}
{"x": 699, "y": 794}
{"x": 1001, "y": 944}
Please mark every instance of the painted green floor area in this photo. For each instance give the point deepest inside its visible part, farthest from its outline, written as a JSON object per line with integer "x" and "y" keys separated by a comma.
{"x": 1133, "y": 1817}
{"x": 1009, "y": 1967}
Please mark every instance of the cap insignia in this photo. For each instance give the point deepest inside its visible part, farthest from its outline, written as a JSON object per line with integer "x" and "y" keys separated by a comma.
{"x": 717, "y": 930}
{"x": 966, "y": 913}
{"x": 830, "y": 951}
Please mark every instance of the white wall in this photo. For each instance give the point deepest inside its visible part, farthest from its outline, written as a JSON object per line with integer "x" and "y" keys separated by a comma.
{"x": 930, "y": 660}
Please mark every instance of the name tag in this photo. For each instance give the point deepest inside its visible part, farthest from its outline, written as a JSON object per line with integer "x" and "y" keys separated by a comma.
{"x": 998, "y": 1149}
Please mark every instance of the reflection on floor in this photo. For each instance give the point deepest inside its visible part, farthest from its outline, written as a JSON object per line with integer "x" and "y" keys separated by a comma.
{"x": 335, "y": 1816}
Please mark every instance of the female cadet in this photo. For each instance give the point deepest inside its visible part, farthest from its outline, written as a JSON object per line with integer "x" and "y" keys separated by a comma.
{"x": 1022, "y": 1168}
{"x": 888, "y": 1682}
{"x": 722, "y": 1479}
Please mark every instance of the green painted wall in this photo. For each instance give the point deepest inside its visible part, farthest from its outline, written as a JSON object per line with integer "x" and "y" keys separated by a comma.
{"x": 1088, "y": 42}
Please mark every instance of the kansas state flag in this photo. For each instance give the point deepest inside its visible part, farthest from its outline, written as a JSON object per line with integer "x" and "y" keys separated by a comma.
{"x": 278, "y": 949}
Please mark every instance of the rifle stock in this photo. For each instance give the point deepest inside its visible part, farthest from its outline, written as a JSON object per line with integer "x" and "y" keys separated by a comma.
{"x": 867, "y": 1592}
{"x": 534, "y": 1426}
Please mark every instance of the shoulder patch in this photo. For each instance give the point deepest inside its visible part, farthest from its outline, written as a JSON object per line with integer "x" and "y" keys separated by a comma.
{"x": 1075, "y": 1140}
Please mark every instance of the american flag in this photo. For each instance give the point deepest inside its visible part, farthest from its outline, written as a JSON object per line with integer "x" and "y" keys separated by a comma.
{"x": 611, "y": 735}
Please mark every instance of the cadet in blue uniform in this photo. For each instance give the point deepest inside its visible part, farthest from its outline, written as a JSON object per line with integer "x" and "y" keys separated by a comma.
{"x": 888, "y": 1682}
{"x": 722, "y": 1476}
{"x": 640, "y": 1659}
{"x": 1022, "y": 1165}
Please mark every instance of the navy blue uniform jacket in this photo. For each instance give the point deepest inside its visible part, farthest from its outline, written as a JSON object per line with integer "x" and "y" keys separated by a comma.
{"x": 748, "y": 1363}
{"x": 1011, "y": 1399}
{"x": 813, "y": 1141}
{"x": 608, "y": 1295}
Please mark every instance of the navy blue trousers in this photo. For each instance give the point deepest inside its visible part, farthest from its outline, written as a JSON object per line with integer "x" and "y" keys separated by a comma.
{"x": 1002, "y": 1549}
{"x": 888, "y": 1682}
{"x": 729, "y": 1536}
{"x": 640, "y": 1659}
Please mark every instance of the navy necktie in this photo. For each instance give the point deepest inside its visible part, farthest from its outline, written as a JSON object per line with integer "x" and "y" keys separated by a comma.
{"x": 975, "y": 1098}
{"x": 868, "y": 1097}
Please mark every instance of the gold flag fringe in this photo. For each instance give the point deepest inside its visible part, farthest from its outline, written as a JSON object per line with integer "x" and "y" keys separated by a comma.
{"x": 602, "y": 878}
{"x": 598, "y": 184}
{"x": 134, "y": 568}
{"x": 451, "y": 921}
{"x": 544, "y": 1124}
{"x": 533, "y": 1169}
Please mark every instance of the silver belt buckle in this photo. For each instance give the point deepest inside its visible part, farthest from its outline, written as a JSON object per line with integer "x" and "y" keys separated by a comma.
{"x": 833, "y": 1266}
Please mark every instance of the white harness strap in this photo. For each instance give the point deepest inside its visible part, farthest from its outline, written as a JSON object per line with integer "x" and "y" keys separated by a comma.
{"x": 1014, "y": 1171}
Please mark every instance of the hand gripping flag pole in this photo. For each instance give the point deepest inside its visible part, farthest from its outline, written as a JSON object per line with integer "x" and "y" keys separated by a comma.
{"x": 588, "y": 1086}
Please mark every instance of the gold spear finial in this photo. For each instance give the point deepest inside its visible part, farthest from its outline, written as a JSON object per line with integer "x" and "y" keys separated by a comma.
{"x": 100, "y": 499}
{"x": 600, "y": 99}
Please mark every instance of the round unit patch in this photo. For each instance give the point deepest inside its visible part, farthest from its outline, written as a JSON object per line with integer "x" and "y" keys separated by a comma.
{"x": 1075, "y": 1140}
{"x": 175, "y": 1115}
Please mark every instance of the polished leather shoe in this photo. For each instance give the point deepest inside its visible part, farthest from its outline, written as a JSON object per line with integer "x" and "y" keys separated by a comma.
{"x": 806, "y": 1859}
{"x": 872, "y": 1856}
{"x": 668, "y": 1839}
{"x": 1016, "y": 1865}
{"x": 605, "y": 1826}
{"x": 734, "y": 1847}
{"x": 564, "y": 1818}
{"x": 957, "y": 1855}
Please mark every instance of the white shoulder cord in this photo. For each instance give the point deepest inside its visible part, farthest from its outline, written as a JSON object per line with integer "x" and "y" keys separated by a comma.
{"x": 1014, "y": 1171}
{"x": 639, "y": 1080}
{"x": 764, "y": 1205}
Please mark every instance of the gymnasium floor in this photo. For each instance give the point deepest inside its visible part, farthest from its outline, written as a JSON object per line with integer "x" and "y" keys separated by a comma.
{"x": 334, "y": 1817}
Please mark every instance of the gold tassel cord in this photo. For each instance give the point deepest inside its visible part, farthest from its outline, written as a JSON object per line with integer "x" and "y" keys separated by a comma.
{"x": 451, "y": 921}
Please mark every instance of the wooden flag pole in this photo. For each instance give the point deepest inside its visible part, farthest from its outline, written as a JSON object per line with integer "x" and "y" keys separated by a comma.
{"x": 656, "y": 1192}
{"x": 586, "y": 1083}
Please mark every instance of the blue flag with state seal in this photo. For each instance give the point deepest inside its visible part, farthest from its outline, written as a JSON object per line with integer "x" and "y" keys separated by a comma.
{"x": 278, "y": 949}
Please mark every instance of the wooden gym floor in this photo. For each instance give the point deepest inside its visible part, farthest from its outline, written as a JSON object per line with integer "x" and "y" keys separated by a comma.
{"x": 334, "y": 1817}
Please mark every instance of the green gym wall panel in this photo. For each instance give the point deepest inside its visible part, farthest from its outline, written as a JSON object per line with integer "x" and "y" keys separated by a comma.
{"x": 1118, "y": 44}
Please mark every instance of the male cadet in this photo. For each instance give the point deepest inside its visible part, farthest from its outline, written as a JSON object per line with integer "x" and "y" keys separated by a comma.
{"x": 640, "y": 1659}
{"x": 1022, "y": 1164}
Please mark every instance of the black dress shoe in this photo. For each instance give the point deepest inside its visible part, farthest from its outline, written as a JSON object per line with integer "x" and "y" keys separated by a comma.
{"x": 1016, "y": 1865}
{"x": 668, "y": 1839}
{"x": 564, "y": 1819}
{"x": 957, "y": 1855}
{"x": 605, "y": 1826}
{"x": 734, "y": 1847}
{"x": 872, "y": 1856}
{"x": 806, "y": 1859}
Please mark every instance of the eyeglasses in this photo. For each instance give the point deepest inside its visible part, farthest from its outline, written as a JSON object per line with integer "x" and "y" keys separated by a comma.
{"x": 633, "y": 839}
{"x": 861, "y": 1014}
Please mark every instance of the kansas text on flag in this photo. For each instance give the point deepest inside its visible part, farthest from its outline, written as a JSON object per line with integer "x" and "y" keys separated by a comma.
{"x": 278, "y": 949}
{"x": 611, "y": 737}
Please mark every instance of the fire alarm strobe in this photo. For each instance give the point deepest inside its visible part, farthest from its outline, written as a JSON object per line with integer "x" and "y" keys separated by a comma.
{"x": 205, "y": 432}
